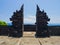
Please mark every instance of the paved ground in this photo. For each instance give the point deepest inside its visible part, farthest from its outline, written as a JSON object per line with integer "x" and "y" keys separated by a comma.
{"x": 29, "y": 39}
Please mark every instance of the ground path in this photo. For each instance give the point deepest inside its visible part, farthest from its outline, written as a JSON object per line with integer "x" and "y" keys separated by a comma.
{"x": 29, "y": 39}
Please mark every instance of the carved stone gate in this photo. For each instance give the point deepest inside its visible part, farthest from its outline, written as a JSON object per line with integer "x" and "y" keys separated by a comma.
{"x": 41, "y": 27}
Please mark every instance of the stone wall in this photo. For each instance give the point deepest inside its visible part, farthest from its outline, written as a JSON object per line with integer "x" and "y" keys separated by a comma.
{"x": 10, "y": 31}
{"x": 54, "y": 30}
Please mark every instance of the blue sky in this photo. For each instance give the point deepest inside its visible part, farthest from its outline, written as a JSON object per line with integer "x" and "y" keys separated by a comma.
{"x": 51, "y": 7}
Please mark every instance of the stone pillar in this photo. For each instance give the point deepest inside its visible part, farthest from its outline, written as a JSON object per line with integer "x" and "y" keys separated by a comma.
{"x": 17, "y": 22}
{"x": 41, "y": 23}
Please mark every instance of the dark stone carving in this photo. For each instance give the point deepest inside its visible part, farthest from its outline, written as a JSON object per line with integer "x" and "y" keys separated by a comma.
{"x": 17, "y": 23}
{"x": 41, "y": 23}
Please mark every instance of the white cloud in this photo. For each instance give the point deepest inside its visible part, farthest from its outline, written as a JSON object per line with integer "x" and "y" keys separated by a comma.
{"x": 31, "y": 19}
{"x": 54, "y": 20}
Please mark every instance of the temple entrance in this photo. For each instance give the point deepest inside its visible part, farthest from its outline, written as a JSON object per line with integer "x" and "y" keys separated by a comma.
{"x": 40, "y": 26}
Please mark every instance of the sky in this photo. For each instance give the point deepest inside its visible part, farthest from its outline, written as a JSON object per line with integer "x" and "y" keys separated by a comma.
{"x": 51, "y": 7}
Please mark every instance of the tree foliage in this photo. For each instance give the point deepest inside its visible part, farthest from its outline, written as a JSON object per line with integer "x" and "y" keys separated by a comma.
{"x": 2, "y": 23}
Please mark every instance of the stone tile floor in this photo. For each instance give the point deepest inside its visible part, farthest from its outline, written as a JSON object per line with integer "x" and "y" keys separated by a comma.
{"x": 29, "y": 39}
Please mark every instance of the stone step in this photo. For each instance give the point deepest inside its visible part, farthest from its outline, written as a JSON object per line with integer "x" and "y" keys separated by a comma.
{"x": 29, "y": 34}
{"x": 29, "y": 41}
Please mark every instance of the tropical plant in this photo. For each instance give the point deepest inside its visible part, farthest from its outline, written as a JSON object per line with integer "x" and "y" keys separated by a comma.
{"x": 2, "y": 23}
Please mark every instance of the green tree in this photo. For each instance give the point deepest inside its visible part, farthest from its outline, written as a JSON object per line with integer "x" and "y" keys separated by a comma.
{"x": 2, "y": 23}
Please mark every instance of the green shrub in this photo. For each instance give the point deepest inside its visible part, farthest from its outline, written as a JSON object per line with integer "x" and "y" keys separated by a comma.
{"x": 2, "y": 23}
